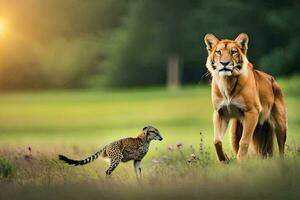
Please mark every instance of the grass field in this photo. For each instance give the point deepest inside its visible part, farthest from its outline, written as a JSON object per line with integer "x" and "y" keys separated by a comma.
{"x": 79, "y": 122}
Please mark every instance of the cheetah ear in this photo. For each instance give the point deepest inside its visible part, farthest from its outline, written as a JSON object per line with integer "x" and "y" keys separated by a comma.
{"x": 145, "y": 129}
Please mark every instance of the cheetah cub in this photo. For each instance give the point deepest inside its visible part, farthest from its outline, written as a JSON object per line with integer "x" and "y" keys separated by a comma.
{"x": 122, "y": 150}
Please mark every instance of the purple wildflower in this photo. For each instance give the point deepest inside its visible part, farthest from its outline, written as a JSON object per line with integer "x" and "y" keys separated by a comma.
{"x": 179, "y": 145}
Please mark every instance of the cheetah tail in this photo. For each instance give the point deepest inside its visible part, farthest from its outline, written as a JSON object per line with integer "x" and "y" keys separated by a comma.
{"x": 81, "y": 162}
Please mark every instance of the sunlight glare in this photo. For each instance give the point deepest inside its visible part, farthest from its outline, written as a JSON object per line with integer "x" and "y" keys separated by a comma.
{"x": 2, "y": 28}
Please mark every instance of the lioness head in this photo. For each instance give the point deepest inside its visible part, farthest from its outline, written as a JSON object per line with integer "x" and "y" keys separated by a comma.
{"x": 226, "y": 57}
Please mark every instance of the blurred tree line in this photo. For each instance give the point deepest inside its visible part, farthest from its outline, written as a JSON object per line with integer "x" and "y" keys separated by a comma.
{"x": 120, "y": 43}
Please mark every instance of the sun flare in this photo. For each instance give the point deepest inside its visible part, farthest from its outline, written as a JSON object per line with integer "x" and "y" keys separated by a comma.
{"x": 2, "y": 28}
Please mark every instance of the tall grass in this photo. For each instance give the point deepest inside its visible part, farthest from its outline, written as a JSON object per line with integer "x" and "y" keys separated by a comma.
{"x": 178, "y": 172}
{"x": 6, "y": 168}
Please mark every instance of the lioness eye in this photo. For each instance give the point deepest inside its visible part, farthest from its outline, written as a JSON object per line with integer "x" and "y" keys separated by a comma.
{"x": 218, "y": 52}
{"x": 233, "y": 51}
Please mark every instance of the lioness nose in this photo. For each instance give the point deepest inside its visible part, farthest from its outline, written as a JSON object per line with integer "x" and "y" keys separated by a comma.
{"x": 224, "y": 63}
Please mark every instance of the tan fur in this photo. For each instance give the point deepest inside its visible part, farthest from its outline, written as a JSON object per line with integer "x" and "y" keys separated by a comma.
{"x": 123, "y": 150}
{"x": 249, "y": 98}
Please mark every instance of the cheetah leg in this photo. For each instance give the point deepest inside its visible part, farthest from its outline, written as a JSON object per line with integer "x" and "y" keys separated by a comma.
{"x": 137, "y": 168}
{"x": 114, "y": 162}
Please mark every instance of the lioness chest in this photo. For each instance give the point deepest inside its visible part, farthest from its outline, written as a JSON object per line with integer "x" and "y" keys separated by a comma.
{"x": 231, "y": 107}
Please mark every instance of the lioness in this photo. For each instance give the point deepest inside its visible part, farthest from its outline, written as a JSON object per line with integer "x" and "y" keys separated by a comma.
{"x": 249, "y": 98}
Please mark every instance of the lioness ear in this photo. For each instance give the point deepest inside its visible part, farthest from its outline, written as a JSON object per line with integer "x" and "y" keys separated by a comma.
{"x": 210, "y": 41}
{"x": 242, "y": 40}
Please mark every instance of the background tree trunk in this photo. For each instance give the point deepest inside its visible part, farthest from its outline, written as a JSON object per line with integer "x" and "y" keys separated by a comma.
{"x": 173, "y": 76}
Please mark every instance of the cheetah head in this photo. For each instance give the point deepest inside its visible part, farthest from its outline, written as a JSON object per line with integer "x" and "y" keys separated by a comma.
{"x": 152, "y": 133}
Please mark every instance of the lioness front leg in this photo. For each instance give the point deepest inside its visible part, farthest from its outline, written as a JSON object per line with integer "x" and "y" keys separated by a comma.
{"x": 249, "y": 124}
{"x": 220, "y": 126}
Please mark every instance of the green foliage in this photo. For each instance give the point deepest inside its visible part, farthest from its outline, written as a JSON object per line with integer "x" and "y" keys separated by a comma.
{"x": 6, "y": 168}
{"x": 154, "y": 30}
{"x": 128, "y": 42}
{"x": 290, "y": 86}
{"x": 283, "y": 58}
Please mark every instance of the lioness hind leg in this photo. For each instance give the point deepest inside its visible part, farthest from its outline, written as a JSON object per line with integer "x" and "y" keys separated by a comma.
{"x": 281, "y": 138}
{"x": 236, "y": 130}
{"x": 279, "y": 116}
{"x": 280, "y": 131}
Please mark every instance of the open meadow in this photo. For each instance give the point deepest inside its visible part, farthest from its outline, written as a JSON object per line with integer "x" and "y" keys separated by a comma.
{"x": 36, "y": 126}
{"x": 77, "y": 75}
